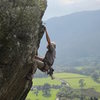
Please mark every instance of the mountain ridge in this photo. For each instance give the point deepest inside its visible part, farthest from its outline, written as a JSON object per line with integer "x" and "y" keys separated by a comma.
{"x": 76, "y": 35}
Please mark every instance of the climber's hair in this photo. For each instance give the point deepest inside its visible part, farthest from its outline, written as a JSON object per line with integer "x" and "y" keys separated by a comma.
{"x": 53, "y": 44}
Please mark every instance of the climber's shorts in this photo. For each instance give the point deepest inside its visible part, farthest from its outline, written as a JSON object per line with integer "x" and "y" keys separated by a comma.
{"x": 42, "y": 66}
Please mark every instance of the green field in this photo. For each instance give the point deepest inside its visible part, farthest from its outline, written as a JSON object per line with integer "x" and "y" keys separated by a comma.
{"x": 32, "y": 96}
{"x": 72, "y": 79}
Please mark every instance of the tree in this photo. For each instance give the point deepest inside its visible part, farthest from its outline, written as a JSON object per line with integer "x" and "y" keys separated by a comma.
{"x": 68, "y": 93}
{"x": 95, "y": 76}
{"x": 82, "y": 84}
{"x": 46, "y": 90}
{"x": 36, "y": 92}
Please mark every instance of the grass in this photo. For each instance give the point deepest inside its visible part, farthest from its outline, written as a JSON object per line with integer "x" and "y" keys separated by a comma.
{"x": 32, "y": 96}
{"x": 68, "y": 75}
{"x": 71, "y": 78}
{"x": 79, "y": 68}
{"x": 42, "y": 81}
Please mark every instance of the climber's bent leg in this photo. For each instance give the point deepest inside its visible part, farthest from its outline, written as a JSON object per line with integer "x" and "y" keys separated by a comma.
{"x": 41, "y": 65}
{"x": 44, "y": 68}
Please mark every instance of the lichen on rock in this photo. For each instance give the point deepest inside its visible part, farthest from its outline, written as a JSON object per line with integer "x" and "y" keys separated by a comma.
{"x": 20, "y": 35}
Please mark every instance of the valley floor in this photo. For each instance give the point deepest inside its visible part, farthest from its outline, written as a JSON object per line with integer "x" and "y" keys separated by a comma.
{"x": 69, "y": 78}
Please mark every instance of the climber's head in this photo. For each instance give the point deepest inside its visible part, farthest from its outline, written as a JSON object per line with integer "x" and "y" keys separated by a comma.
{"x": 53, "y": 45}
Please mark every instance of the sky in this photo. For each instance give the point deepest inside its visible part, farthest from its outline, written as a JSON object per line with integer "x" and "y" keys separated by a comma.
{"x": 58, "y": 8}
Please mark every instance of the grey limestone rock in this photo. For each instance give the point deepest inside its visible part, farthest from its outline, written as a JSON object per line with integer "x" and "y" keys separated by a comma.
{"x": 20, "y": 35}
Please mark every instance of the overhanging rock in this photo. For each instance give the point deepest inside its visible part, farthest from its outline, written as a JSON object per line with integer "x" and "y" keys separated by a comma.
{"x": 20, "y": 35}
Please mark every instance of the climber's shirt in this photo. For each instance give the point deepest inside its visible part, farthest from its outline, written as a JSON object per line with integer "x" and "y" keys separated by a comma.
{"x": 50, "y": 55}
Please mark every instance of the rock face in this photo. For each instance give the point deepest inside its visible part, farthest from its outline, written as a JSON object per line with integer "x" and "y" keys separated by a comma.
{"x": 20, "y": 34}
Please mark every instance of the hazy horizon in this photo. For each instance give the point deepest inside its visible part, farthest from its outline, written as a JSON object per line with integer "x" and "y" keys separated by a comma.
{"x": 57, "y": 8}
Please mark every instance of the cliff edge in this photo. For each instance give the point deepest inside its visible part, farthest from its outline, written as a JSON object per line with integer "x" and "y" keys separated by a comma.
{"x": 20, "y": 35}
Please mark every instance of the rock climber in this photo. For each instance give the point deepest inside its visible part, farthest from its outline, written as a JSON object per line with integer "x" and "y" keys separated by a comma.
{"x": 45, "y": 64}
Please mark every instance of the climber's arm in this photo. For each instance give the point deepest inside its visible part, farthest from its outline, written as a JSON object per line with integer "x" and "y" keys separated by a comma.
{"x": 47, "y": 37}
{"x": 39, "y": 58}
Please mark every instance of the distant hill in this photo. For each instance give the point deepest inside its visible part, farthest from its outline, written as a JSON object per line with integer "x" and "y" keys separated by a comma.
{"x": 76, "y": 35}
